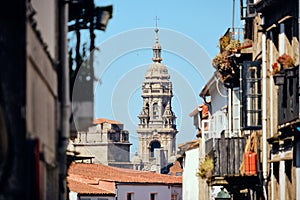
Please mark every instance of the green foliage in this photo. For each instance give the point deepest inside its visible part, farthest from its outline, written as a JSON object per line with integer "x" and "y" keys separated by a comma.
{"x": 205, "y": 167}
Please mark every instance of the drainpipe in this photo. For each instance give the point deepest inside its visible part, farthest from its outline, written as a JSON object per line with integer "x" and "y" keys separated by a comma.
{"x": 264, "y": 111}
{"x": 64, "y": 98}
{"x": 281, "y": 163}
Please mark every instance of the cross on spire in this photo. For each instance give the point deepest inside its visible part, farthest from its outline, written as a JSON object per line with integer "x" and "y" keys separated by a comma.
{"x": 156, "y": 47}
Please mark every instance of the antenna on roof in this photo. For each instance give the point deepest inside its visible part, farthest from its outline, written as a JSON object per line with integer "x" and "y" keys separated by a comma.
{"x": 233, "y": 5}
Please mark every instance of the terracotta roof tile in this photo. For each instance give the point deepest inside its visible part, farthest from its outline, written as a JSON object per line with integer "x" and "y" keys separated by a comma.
{"x": 85, "y": 188}
{"x": 194, "y": 144}
{"x": 188, "y": 144}
{"x": 176, "y": 168}
{"x": 107, "y": 173}
{"x": 103, "y": 120}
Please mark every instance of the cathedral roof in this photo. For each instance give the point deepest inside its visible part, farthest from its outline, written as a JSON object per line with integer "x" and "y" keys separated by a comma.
{"x": 157, "y": 70}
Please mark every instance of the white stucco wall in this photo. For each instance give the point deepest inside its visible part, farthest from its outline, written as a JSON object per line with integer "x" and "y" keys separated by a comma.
{"x": 74, "y": 196}
{"x": 219, "y": 95}
{"x": 190, "y": 181}
{"x": 96, "y": 198}
{"x": 163, "y": 192}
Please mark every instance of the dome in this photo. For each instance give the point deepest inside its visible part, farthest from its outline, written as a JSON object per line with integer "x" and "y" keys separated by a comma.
{"x": 157, "y": 70}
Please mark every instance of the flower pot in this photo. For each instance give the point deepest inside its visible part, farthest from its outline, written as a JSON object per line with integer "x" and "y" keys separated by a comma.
{"x": 290, "y": 72}
{"x": 279, "y": 79}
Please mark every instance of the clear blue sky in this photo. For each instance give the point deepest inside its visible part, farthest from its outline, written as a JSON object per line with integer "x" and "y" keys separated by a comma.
{"x": 189, "y": 33}
{"x": 204, "y": 21}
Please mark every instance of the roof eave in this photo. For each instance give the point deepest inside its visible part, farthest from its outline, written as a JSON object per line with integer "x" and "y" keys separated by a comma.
{"x": 205, "y": 90}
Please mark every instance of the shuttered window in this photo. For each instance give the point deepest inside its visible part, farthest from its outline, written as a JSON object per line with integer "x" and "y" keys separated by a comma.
{"x": 251, "y": 90}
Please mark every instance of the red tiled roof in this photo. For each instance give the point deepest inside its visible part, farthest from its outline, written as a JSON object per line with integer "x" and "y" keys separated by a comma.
{"x": 189, "y": 145}
{"x": 107, "y": 173}
{"x": 194, "y": 144}
{"x": 85, "y": 188}
{"x": 176, "y": 168}
{"x": 103, "y": 120}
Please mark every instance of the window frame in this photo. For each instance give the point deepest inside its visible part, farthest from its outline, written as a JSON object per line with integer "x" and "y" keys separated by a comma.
{"x": 129, "y": 195}
{"x": 153, "y": 196}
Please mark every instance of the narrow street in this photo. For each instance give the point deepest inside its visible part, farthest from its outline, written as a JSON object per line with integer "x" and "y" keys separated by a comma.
{"x": 151, "y": 100}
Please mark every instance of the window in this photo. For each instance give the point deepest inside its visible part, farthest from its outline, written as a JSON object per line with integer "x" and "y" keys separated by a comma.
{"x": 124, "y": 136}
{"x": 205, "y": 129}
{"x": 251, "y": 98}
{"x": 153, "y": 196}
{"x": 154, "y": 145}
{"x": 112, "y": 136}
{"x": 155, "y": 111}
{"x": 129, "y": 196}
{"x": 174, "y": 197}
{"x": 178, "y": 174}
{"x": 156, "y": 53}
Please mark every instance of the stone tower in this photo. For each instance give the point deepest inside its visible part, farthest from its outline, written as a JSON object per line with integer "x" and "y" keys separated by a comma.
{"x": 157, "y": 129}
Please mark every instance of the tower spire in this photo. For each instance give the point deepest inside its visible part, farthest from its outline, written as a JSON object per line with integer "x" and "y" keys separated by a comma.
{"x": 156, "y": 20}
{"x": 157, "y": 120}
{"x": 156, "y": 47}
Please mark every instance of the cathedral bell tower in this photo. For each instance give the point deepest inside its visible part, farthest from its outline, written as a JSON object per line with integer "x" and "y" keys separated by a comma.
{"x": 157, "y": 129}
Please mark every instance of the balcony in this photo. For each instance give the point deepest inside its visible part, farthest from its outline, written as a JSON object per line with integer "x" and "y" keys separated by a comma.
{"x": 227, "y": 154}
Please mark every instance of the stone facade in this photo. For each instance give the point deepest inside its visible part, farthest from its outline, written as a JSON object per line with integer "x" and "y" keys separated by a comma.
{"x": 34, "y": 115}
{"x": 157, "y": 129}
{"x": 105, "y": 142}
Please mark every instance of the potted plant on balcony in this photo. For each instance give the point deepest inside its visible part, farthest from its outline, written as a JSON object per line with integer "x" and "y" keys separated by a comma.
{"x": 287, "y": 63}
{"x": 224, "y": 41}
{"x": 205, "y": 168}
{"x": 278, "y": 76}
{"x": 223, "y": 62}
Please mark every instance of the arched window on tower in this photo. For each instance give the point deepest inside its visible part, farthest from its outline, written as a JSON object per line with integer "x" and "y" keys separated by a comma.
{"x": 156, "y": 53}
{"x": 155, "y": 111}
{"x": 147, "y": 108}
{"x": 154, "y": 145}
